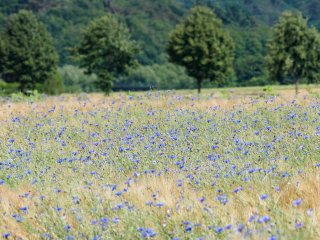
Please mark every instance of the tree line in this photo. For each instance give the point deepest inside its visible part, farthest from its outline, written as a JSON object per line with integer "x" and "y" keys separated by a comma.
{"x": 199, "y": 44}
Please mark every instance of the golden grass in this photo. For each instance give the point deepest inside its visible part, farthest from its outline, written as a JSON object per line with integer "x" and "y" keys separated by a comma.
{"x": 180, "y": 202}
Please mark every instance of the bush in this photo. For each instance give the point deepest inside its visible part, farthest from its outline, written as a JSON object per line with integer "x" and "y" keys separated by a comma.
{"x": 28, "y": 96}
{"x": 75, "y": 80}
{"x": 8, "y": 88}
{"x": 166, "y": 76}
{"x": 53, "y": 85}
{"x": 257, "y": 81}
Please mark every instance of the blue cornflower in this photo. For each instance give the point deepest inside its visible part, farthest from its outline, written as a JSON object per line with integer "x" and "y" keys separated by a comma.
{"x": 188, "y": 228}
{"x": 146, "y": 232}
{"x": 292, "y": 115}
{"x": 179, "y": 183}
{"x": 98, "y": 237}
{"x": 273, "y": 237}
{"x": 76, "y": 200}
{"x": 118, "y": 193}
{"x": 58, "y": 209}
{"x": 238, "y": 189}
{"x": 277, "y": 189}
{"x": 264, "y": 196}
{"x": 222, "y": 199}
{"x": 252, "y": 218}
{"x": 69, "y": 238}
{"x": 67, "y": 228}
{"x": 113, "y": 187}
{"x": 264, "y": 219}
{"x": 159, "y": 204}
{"x": 149, "y": 203}
{"x": 298, "y": 225}
{"x": 17, "y": 217}
{"x": 228, "y": 227}
{"x": 24, "y": 209}
{"x": 104, "y": 221}
{"x": 218, "y": 230}
{"x": 297, "y": 202}
{"x": 94, "y": 222}
{"x": 240, "y": 228}
{"x": 6, "y": 235}
{"x": 116, "y": 220}
{"x": 214, "y": 147}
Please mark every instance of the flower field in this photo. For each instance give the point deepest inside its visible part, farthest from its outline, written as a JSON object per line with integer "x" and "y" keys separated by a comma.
{"x": 160, "y": 166}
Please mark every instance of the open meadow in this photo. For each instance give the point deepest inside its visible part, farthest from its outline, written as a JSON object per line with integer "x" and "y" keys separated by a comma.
{"x": 226, "y": 164}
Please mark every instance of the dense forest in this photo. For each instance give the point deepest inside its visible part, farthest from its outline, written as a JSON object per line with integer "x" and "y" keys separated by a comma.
{"x": 248, "y": 22}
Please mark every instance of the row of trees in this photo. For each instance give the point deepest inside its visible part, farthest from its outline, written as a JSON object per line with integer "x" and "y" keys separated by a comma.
{"x": 199, "y": 44}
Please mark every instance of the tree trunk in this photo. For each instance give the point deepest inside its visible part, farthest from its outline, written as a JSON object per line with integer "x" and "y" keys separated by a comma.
{"x": 199, "y": 85}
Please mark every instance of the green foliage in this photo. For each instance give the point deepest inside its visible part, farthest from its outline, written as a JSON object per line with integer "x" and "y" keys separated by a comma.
{"x": 75, "y": 80}
{"x": 53, "y": 85}
{"x": 201, "y": 46}
{"x": 107, "y": 50}
{"x": 157, "y": 76}
{"x": 27, "y": 55}
{"x": 294, "y": 51}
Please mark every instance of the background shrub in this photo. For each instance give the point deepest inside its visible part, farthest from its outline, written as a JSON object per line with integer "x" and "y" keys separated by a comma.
{"x": 75, "y": 80}
{"x": 53, "y": 85}
{"x": 157, "y": 76}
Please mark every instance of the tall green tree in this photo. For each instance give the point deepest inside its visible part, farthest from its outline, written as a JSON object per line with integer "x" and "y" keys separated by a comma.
{"x": 201, "y": 45}
{"x": 27, "y": 54}
{"x": 294, "y": 50}
{"x": 107, "y": 50}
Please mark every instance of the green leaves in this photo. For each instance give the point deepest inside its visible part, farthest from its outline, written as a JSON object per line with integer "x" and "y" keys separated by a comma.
{"x": 107, "y": 49}
{"x": 201, "y": 46}
{"x": 26, "y": 51}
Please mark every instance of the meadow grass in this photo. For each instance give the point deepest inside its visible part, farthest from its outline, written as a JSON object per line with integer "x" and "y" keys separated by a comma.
{"x": 161, "y": 165}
